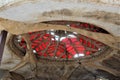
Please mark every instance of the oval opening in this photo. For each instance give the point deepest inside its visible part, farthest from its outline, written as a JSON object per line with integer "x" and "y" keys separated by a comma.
{"x": 60, "y": 44}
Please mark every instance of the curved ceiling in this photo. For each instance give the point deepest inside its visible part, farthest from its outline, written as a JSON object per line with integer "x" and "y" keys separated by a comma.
{"x": 39, "y": 11}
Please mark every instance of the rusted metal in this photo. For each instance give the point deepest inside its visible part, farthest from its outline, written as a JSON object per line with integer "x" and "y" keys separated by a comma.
{"x": 3, "y": 36}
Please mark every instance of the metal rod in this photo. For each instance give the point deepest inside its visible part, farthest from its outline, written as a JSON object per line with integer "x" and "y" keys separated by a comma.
{"x": 3, "y": 36}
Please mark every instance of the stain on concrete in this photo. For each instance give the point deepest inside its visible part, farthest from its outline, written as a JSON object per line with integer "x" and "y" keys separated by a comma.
{"x": 105, "y": 16}
{"x": 64, "y": 12}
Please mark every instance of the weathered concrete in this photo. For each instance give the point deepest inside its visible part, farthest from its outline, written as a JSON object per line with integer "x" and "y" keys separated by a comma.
{"x": 26, "y": 16}
{"x": 36, "y": 11}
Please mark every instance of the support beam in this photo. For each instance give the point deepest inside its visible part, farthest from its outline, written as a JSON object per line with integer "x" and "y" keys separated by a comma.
{"x": 3, "y": 36}
{"x": 17, "y": 28}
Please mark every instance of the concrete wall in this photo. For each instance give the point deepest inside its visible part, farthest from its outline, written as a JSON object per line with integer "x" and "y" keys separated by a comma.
{"x": 111, "y": 1}
{"x": 4, "y": 2}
